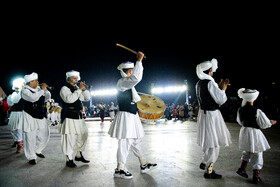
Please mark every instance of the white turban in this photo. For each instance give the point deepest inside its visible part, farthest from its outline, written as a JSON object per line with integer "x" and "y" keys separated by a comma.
{"x": 18, "y": 83}
{"x": 125, "y": 65}
{"x": 31, "y": 77}
{"x": 247, "y": 95}
{"x": 205, "y": 66}
{"x": 73, "y": 73}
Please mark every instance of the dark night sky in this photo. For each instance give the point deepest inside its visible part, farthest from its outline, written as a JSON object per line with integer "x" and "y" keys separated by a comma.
{"x": 245, "y": 47}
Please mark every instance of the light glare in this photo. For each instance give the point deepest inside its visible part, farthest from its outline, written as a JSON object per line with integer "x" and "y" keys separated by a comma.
{"x": 169, "y": 89}
{"x": 104, "y": 92}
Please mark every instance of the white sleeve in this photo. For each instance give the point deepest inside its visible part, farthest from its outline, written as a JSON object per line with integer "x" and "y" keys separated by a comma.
{"x": 85, "y": 96}
{"x": 67, "y": 96}
{"x": 126, "y": 83}
{"x": 10, "y": 101}
{"x": 31, "y": 97}
{"x": 262, "y": 120}
{"x": 14, "y": 98}
{"x": 217, "y": 94}
{"x": 47, "y": 95}
{"x": 238, "y": 118}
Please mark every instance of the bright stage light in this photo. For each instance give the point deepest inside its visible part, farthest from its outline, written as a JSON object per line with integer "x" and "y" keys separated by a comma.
{"x": 104, "y": 92}
{"x": 169, "y": 89}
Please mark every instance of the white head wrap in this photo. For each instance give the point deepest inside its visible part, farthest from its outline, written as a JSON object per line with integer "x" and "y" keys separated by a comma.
{"x": 205, "y": 66}
{"x": 30, "y": 77}
{"x": 129, "y": 65}
{"x": 18, "y": 84}
{"x": 73, "y": 73}
{"x": 247, "y": 95}
{"x": 125, "y": 65}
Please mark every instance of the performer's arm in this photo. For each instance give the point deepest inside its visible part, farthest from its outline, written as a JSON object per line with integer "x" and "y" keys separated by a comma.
{"x": 32, "y": 97}
{"x": 13, "y": 98}
{"x": 217, "y": 94}
{"x": 67, "y": 96}
{"x": 262, "y": 120}
{"x": 47, "y": 95}
{"x": 129, "y": 82}
{"x": 85, "y": 96}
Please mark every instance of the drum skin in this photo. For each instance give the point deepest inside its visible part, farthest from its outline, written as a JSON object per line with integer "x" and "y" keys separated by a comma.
{"x": 150, "y": 108}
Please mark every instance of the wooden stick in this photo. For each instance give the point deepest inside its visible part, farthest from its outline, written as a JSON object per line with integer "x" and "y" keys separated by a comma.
{"x": 122, "y": 46}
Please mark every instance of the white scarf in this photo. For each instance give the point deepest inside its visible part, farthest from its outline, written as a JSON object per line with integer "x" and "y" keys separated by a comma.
{"x": 247, "y": 95}
{"x": 205, "y": 66}
{"x": 129, "y": 65}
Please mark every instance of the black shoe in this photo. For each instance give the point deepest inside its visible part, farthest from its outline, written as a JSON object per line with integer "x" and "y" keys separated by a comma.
{"x": 122, "y": 174}
{"x": 242, "y": 172}
{"x": 32, "y": 162}
{"x": 82, "y": 159}
{"x": 202, "y": 166}
{"x": 147, "y": 167}
{"x": 212, "y": 175}
{"x": 70, "y": 164}
{"x": 40, "y": 155}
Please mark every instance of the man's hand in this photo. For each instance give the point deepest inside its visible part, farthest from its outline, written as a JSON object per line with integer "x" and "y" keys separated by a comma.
{"x": 223, "y": 84}
{"x": 140, "y": 56}
{"x": 273, "y": 122}
{"x": 44, "y": 86}
{"x": 82, "y": 86}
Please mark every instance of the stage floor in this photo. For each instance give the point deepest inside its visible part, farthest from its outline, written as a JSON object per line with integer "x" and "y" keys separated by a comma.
{"x": 172, "y": 145}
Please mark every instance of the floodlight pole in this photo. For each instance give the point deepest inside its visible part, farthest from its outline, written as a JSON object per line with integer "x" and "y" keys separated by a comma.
{"x": 187, "y": 93}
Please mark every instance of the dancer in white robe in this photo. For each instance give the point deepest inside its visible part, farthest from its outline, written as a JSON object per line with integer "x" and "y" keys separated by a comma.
{"x": 112, "y": 109}
{"x": 73, "y": 129}
{"x": 16, "y": 120}
{"x": 36, "y": 132}
{"x": 127, "y": 127}
{"x": 212, "y": 130}
{"x": 251, "y": 139}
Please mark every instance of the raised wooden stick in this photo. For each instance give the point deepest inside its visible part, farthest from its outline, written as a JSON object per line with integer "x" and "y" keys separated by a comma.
{"x": 122, "y": 46}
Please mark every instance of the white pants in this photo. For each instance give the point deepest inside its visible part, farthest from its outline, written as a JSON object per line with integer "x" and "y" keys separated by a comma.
{"x": 124, "y": 147}
{"x": 17, "y": 135}
{"x": 210, "y": 155}
{"x": 112, "y": 115}
{"x": 73, "y": 142}
{"x": 35, "y": 141}
{"x": 256, "y": 159}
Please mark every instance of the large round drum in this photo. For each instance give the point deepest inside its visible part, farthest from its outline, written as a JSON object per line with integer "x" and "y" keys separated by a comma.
{"x": 150, "y": 108}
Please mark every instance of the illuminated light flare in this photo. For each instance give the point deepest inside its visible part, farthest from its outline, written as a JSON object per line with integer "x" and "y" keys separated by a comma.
{"x": 169, "y": 89}
{"x": 104, "y": 92}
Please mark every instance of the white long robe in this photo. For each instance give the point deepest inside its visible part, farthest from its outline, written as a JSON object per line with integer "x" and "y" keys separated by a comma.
{"x": 252, "y": 139}
{"x": 16, "y": 120}
{"x": 125, "y": 124}
{"x": 73, "y": 126}
{"x": 212, "y": 130}
{"x": 36, "y": 131}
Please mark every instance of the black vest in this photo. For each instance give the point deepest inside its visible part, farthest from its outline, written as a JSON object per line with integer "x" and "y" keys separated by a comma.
{"x": 71, "y": 110}
{"x": 37, "y": 109}
{"x": 125, "y": 102}
{"x": 205, "y": 100}
{"x": 248, "y": 116}
{"x": 17, "y": 107}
